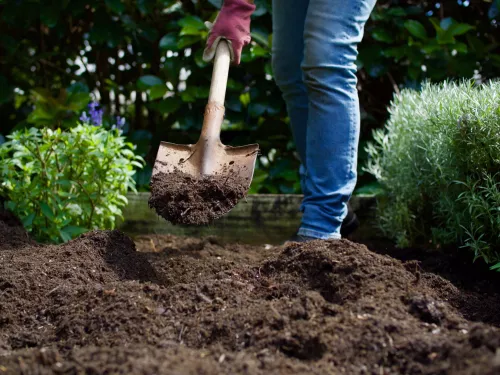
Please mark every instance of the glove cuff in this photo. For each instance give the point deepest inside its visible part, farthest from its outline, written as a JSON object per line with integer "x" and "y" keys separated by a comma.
{"x": 209, "y": 52}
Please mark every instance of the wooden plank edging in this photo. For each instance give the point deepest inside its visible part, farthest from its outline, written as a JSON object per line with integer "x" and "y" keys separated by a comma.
{"x": 260, "y": 218}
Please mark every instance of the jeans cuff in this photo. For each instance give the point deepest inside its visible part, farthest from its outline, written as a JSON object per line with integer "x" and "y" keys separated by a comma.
{"x": 320, "y": 235}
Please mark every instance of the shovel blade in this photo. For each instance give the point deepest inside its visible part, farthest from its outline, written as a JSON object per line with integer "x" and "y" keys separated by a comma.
{"x": 172, "y": 157}
{"x": 237, "y": 162}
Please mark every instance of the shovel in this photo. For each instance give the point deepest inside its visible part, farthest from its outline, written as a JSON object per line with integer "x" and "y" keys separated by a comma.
{"x": 209, "y": 157}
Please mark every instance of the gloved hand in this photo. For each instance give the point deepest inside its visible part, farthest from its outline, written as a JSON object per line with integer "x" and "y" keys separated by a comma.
{"x": 233, "y": 25}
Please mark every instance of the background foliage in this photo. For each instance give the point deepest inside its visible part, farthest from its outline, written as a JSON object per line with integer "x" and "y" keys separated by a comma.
{"x": 142, "y": 60}
{"x": 438, "y": 160}
{"x": 64, "y": 183}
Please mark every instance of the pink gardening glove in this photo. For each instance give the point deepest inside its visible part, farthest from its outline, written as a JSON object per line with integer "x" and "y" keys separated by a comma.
{"x": 233, "y": 25}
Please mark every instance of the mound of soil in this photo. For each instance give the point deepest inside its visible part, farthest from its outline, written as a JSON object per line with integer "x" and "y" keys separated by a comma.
{"x": 96, "y": 305}
{"x": 183, "y": 199}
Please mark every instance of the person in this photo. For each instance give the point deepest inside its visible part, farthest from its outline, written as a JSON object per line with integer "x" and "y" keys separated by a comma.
{"x": 313, "y": 58}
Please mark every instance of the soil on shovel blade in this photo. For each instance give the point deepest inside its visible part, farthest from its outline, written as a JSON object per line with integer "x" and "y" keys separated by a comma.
{"x": 96, "y": 305}
{"x": 183, "y": 199}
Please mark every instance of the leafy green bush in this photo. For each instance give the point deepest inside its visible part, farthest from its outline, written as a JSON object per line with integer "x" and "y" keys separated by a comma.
{"x": 63, "y": 183}
{"x": 438, "y": 159}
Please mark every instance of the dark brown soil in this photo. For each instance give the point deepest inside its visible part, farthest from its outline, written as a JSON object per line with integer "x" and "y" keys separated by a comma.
{"x": 183, "y": 199}
{"x": 196, "y": 306}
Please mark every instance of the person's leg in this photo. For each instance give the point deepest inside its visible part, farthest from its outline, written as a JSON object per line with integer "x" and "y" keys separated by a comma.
{"x": 287, "y": 55}
{"x": 333, "y": 29}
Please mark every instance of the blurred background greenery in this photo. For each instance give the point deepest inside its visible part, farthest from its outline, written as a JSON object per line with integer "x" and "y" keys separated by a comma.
{"x": 141, "y": 59}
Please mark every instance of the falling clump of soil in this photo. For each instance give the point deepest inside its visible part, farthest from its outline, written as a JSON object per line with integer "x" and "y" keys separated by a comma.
{"x": 183, "y": 199}
{"x": 102, "y": 304}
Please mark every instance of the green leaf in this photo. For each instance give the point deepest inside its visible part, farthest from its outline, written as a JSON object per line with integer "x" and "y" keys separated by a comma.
{"x": 28, "y": 220}
{"x": 136, "y": 164}
{"x": 47, "y": 211}
{"x": 370, "y": 189}
{"x": 442, "y": 35}
{"x": 157, "y": 91}
{"x": 64, "y": 236}
{"x": 256, "y": 109}
{"x": 461, "y": 47}
{"x": 77, "y": 101}
{"x": 169, "y": 42}
{"x": 169, "y": 105}
{"x": 495, "y": 267}
{"x": 258, "y": 51}
{"x": 148, "y": 81}
{"x": 445, "y": 38}
{"x": 396, "y": 52}
{"x": 260, "y": 36}
{"x": 187, "y": 40}
{"x": 65, "y": 183}
{"x": 192, "y": 22}
{"x": 435, "y": 22}
{"x": 74, "y": 230}
{"x": 460, "y": 28}
{"x": 396, "y": 12}
{"x": 115, "y": 5}
{"x": 49, "y": 15}
{"x": 382, "y": 35}
{"x": 416, "y": 29}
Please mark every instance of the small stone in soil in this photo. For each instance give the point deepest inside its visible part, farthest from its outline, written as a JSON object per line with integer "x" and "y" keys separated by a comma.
{"x": 183, "y": 199}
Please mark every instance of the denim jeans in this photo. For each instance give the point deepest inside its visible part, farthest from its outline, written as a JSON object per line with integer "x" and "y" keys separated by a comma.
{"x": 314, "y": 53}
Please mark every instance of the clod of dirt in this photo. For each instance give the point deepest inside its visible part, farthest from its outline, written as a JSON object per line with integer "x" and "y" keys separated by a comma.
{"x": 426, "y": 309}
{"x": 183, "y": 199}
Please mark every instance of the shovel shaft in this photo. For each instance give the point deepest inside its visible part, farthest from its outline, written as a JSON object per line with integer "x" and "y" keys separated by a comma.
{"x": 209, "y": 144}
{"x": 220, "y": 73}
{"x": 214, "y": 112}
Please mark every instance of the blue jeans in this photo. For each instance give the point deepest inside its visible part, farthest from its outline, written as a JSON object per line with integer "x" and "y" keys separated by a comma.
{"x": 314, "y": 53}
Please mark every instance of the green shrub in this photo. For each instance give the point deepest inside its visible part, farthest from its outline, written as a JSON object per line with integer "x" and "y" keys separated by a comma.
{"x": 63, "y": 183}
{"x": 438, "y": 159}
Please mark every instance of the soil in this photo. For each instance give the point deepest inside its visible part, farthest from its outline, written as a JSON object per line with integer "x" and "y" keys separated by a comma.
{"x": 102, "y": 304}
{"x": 183, "y": 199}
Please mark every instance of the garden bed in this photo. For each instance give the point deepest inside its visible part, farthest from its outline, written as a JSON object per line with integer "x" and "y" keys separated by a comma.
{"x": 198, "y": 306}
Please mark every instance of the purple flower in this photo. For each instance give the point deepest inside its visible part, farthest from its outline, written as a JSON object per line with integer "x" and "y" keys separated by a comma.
{"x": 95, "y": 113}
{"x": 93, "y": 106}
{"x": 84, "y": 117}
{"x": 120, "y": 122}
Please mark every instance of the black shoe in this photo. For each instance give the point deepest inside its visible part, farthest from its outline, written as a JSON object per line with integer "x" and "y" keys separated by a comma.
{"x": 350, "y": 223}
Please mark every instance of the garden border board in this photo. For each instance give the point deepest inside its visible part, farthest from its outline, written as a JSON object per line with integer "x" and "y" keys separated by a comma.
{"x": 256, "y": 219}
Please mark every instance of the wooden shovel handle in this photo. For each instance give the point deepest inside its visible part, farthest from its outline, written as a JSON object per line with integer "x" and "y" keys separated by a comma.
{"x": 220, "y": 73}
{"x": 214, "y": 112}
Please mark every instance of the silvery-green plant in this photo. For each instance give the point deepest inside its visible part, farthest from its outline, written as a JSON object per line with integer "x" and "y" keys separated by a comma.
{"x": 438, "y": 159}
{"x": 63, "y": 183}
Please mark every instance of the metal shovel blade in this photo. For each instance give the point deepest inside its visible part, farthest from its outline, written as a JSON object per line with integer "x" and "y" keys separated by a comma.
{"x": 222, "y": 160}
